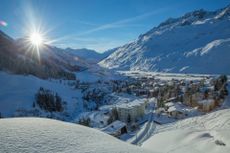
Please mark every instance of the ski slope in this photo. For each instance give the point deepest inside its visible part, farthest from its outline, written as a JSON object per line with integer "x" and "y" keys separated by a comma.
{"x": 28, "y": 135}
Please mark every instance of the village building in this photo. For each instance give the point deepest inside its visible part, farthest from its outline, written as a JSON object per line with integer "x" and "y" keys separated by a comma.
{"x": 153, "y": 92}
{"x": 130, "y": 112}
{"x": 176, "y": 110}
{"x": 207, "y": 105}
{"x": 142, "y": 92}
{"x": 116, "y": 128}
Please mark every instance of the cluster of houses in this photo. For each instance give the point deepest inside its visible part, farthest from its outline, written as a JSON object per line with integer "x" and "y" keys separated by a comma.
{"x": 206, "y": 94}
{"x": 176, "y": 96}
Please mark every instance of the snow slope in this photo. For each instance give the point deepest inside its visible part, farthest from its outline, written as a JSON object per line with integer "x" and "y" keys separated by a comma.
{"x": 193, "y": 43}
{"x": 18, "y": 92}
{"x": 193, "y": 135}
{"x": 44, "y": 135}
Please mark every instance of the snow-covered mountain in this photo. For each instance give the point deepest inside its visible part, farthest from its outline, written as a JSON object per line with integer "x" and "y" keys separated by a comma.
{"x": 90, "y": 55}
{"x": 198, "y": 42}
{"x": 45, "y": 135}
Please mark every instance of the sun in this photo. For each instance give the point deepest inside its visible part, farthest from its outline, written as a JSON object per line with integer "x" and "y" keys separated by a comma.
{"x": 36, "y": 39}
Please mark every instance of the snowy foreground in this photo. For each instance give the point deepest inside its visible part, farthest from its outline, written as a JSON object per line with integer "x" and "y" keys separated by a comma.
{"x": 46, "y": 135}
{"x": 209, "y": 133}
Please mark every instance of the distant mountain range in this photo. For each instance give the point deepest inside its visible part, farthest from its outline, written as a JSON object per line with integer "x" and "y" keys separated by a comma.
{"x": 90, "y": 55}
{"x": 198, "y": 42}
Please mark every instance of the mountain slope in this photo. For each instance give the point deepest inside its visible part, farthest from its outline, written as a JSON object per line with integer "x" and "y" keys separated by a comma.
{"x": 19, "y": 57}
{"x": 45, "y": 135}
{"x": 171, "y": 46}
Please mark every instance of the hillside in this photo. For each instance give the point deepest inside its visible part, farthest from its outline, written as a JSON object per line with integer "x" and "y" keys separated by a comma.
{"x": 193, "y": 43}
{"x": 208, "y": 133}
{"x": 17, "y": 94}
{"x": 17, "y": 56}
{"x": 45, "y": 135}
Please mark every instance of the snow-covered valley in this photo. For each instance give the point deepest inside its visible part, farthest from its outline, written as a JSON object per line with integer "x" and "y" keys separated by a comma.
{"x": 167, "y": 91}
{"x": 196, "y": 132}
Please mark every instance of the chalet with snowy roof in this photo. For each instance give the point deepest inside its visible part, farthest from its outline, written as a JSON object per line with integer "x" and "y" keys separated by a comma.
{"x": 176, "y": 110}
{"x": 116, "y": 128}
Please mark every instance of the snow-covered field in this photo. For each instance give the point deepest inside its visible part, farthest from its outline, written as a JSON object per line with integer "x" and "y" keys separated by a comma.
{"x": 28, "y": 135}
{"x": 208, "y": 133}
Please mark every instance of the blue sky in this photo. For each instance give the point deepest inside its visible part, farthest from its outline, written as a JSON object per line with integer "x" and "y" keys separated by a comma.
{"x": 94, "y": 24}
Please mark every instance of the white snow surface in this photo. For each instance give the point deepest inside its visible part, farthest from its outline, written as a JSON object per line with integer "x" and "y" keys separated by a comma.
{"x": 28, "y": 135}
{"x": 202, "y": 35}
{"x": 193, "y": 135}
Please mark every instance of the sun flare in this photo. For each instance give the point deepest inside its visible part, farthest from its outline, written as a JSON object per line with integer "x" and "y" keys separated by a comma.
{"x": 36, "y": 39}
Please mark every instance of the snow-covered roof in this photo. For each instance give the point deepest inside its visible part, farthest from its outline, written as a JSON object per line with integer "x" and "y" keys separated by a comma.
{"x": 106, "y": 107}
{"x": 171, "y": 99}
{"x": 169, "y": 104}
{"x": 176, "y": 107}
{"x": 114, "y": 127}
{"x": 206, "y": 101}
{"x": 131, "y": 104}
